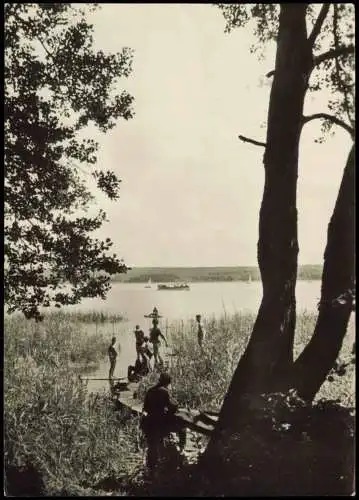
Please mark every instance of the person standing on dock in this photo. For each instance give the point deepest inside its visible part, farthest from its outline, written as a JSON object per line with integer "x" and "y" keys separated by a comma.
{"x": 112, "y": 354}
{"x": 159, "y": 420}
{"x": 140, "y": 341}
{"x": 201, "y": 332}
{"x": 155, "y": 336}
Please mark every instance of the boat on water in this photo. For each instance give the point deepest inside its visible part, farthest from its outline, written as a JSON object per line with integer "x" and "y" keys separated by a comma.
{"x": 153, "y": 314}
{"x": 148, "y": 284}
{"x": 249, "y": 279}
{"x": 173, "y": 286}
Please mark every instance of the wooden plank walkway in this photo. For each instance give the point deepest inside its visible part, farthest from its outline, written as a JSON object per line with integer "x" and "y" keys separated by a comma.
{"x": 201, "y": 422}
{"x": 200, "y": 425}
{"x": 125, "y": 396}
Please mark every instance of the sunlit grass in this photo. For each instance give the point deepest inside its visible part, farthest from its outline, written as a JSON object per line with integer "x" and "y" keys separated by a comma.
{"x": 71, "y": 438}
{"x": 201, "y": 380}
{"x": 76, "y": 440}
{"x": 91, "y": 316}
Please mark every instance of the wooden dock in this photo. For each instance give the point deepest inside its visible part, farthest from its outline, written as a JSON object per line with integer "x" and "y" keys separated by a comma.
{"x": 124, "y": 395}
{"x": 202, "y": 422}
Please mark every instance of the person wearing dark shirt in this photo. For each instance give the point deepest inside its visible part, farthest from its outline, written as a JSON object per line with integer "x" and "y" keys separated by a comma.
{"x": 155, "y": 336}
{"x": 159, "y": 420}
{"x": 112, "y": 354}
{"x": 140, "y": 340}
{"x": 139, "y": 370}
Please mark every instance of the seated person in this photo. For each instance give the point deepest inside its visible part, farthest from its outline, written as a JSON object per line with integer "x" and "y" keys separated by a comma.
{"x": 140, "y": 369}
{"x": 146, "y": 349}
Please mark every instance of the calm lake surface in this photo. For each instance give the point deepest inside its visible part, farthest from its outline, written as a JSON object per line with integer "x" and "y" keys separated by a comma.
{"x": 208, "y": 299}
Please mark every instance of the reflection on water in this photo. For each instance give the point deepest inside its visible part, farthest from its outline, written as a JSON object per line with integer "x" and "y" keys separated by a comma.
{"x": 134, "y": 300}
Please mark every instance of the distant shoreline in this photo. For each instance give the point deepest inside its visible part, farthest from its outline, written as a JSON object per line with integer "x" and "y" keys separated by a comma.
{"x": 143, "y": 282}
{"x": 206, "y": 274}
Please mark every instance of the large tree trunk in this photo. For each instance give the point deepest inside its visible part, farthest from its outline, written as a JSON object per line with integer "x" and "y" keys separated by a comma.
{"x": 313, "y": 365}
{"x": 269, "y": 352}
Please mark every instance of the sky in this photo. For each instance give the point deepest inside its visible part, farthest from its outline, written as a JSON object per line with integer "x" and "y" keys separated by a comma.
{"x": 191, "y": 190}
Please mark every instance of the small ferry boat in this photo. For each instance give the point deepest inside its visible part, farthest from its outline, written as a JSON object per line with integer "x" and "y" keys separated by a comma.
{"x": 153, "y": 314}
{"x": 173, "y": 286}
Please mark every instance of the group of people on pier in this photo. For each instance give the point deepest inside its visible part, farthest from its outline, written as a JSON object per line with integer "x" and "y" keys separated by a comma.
{"x": 148, "y": 347}
{"x": 159, "y": 410}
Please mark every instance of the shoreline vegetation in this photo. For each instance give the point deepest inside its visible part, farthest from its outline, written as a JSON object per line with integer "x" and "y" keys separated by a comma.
{"x": 205, "y": 274}
{"x": 87, "y": 317}
{"x": 58, "y": 437}
{"x": 59, "y": 440}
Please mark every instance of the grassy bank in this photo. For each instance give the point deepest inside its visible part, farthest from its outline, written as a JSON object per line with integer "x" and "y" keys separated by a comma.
{"x": 63, "y": 442}
{"x": 285, "y": 447}
{"x": 57, "y": 439}
{"x": 86, "y": 317}
{"x": 202, "y": 380}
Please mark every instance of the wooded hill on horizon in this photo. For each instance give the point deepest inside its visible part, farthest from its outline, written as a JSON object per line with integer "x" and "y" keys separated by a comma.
{"x": 193, "y": 274}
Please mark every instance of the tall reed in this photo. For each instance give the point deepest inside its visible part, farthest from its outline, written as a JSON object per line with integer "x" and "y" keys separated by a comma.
{"x": 71, "y": 440}
{"x": 201, "y": 379}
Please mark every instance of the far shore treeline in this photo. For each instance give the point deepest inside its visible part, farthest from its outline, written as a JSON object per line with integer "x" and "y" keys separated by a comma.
{"x": 193, "y": 274}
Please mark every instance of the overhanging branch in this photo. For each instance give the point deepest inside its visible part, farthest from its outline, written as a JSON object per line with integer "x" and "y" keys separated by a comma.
{"x": 251, "y": 141}
{"x": 332, "y": 118}
{"x": 338, "y": 68}
{"x": 331, "y": 54}
{"x": 313, "y": 36}
{"x": 318, "y": 24}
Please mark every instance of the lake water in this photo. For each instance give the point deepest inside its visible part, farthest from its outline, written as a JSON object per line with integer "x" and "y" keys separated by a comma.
{"x": 208, "y": 299}
{"x": 134, "y": 300}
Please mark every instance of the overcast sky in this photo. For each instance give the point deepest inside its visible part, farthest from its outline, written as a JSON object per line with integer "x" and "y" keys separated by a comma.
{"x": 191, "y": 191}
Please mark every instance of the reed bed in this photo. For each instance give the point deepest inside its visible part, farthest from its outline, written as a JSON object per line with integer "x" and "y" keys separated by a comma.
{"x": 76, "y": 442}
{"x": 300, "y": 441}
{"x": 86, "y": 317}
{"x": 200, "y": 380}
{"x": 68, "y": 439}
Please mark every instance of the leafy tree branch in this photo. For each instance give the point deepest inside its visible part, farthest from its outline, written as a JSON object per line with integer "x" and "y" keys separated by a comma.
{"x": 334, "y": 54}
{"x": 331, "y": 118}
{"x": 318, "y": 24}
{"x": 338, "y": 68}
{"x": 55, "y": 85}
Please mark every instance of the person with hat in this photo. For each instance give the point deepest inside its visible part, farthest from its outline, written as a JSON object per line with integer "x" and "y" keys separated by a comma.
{"x": 159, "y": 419}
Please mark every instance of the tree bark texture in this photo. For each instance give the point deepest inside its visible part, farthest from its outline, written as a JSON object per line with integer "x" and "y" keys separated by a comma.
{"x": 315, "y": 362}
{"x": 269, "y": 351}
